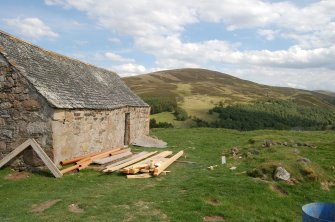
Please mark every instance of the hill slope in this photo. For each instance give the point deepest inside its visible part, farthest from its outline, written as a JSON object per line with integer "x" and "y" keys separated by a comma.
{"x": 198, "y": 90}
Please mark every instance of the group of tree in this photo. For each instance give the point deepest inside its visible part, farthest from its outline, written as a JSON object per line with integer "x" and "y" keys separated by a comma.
{"x": 155, "y": 124}
{"x": 161, "y": 104}
{"x": 180, "y": 114}
{"x": 271, "y": 114}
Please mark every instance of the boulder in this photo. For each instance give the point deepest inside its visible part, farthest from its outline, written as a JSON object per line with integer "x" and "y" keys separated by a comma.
{"x": 281, "y": 174}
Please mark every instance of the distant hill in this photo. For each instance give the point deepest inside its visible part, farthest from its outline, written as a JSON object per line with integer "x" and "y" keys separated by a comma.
{"x": 198, "y": 90}
{"x": 329, "y": 93}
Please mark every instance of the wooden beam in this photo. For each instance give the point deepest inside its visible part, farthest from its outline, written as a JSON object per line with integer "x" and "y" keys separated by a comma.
{"x": 100, "y": 155}
{"x": 112, "y": 169}
{"x": 127, "y": 159}
{"x": 83, "y": 163}
{"x": 45, "y": 158}
{"x": 167, "y": 163}
{"x": 112, "y": 158}
{"x": 69, "y": 169}
{"x": 76, "y": 159}
{"x": 39, "y": 151}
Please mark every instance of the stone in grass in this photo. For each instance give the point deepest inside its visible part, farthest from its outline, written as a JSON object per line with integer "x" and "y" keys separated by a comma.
{"x": 281, "y": 174}
{"x": 268, "y": 143}
{"x": 304, "y": 160}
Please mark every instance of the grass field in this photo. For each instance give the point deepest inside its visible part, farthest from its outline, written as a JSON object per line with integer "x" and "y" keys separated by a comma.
{"x": 190, "y": 192}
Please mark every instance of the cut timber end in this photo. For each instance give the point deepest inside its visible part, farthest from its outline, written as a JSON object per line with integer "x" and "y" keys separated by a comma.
{"x": 167, "y": 163}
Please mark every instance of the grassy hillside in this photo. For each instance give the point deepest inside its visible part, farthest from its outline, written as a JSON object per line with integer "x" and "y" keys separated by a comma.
{"x": 190, "y": 192}
{"x": 198, "y": 90}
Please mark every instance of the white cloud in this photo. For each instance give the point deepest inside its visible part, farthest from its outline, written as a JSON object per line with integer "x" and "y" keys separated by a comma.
{"x": 157, "y": 26}
{"x": 268, "y": 34}
{"x": 116, "y": 57}
{"x": 114, "y": 40}
{"x": 129, "y": 69}
{"x": 31, "y": 27}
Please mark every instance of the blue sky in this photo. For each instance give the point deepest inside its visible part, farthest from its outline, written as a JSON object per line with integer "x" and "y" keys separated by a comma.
{"x": 283, "y": 43}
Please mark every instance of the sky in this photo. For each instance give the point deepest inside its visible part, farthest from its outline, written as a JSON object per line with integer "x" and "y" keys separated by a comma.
{"x": 281, "y": 43}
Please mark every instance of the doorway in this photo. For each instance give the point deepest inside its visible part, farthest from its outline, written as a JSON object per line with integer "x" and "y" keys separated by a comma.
{"x": 127, "y": 129}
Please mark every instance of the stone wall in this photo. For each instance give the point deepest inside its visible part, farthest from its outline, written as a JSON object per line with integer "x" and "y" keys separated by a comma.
{"x": 23, "y": 113}
{"x": 77, "y": 132}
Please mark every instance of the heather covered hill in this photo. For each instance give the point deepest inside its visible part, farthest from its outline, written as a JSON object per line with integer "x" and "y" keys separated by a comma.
{"x": 200, "y": 91}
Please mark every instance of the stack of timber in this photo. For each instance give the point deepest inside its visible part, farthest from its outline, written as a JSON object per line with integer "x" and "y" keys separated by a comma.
{"x": 140, "y": 165}
{"x": 152, "y": 166}
{"x": 83, "y": 162}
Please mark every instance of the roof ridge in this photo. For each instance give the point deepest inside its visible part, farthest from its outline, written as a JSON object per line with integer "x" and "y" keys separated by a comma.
{"x": 52, "y": 52}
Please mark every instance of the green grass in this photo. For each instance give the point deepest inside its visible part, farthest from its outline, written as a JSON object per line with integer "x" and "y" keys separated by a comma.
{"x": 190, "y": 192}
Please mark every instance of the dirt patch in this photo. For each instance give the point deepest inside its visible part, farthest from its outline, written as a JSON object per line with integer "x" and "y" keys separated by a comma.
{"x": 213, "y": 218}
{"x": 213, "y": 201}
{"x": 39, "y": 208}
{"x": 325, "y": 185}
{"x": 123, "y": 206}
{"x": 75, "y": 208}
{"x": 278, "y": 189}
{"x": 17, "y": 175}
{"x": 146, "y": 210}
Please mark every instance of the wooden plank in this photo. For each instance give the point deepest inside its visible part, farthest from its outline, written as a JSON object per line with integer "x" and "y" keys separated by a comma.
{"x": 100, "y": 155}
{"x": 139, "y": 176}
{"x": 40, "y": 152}
{"x": 15, "y": 152}
{"x": 76, "y": 159}
{"x": 69, "y": 169}
{"x": 167, "y": 163}
{"x": 112, "y": 169}
{"x": 145, "y": 162}
{"x": 45, "y": 158}
{"x": 112, "y": 158}
{"x": 127, "y": 159}
{"x": 146, "y": 166}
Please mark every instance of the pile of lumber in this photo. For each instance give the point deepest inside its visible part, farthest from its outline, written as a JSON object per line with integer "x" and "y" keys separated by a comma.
{"x": 83, "y": 162}
{"x": 147, "y": 165}
{"x": 140, "y": 165}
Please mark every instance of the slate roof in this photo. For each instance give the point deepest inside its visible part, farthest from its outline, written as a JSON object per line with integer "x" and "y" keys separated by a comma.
{"x": 67, "y": 82}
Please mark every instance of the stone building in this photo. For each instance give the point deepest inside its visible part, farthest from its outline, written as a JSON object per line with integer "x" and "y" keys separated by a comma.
{"x": 71, "y": 108}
